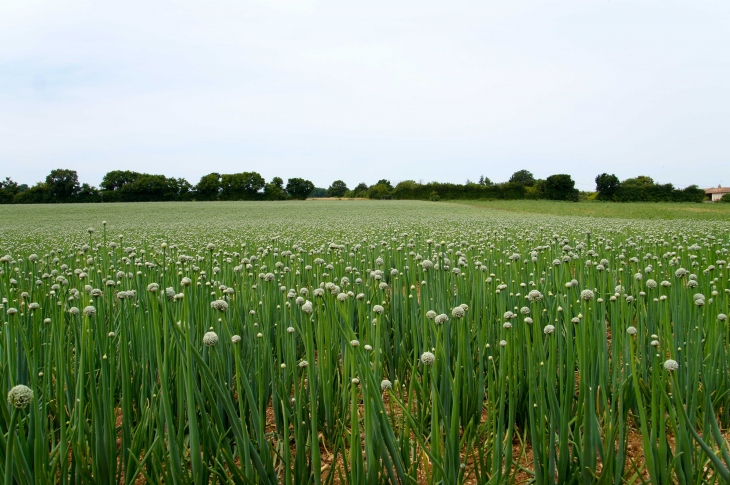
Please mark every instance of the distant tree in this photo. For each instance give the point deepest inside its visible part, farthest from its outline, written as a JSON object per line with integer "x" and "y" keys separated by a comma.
{"x": 640, "y": 181}
{"x": 380, "y": 191}
{"x": 523, "y": 177}
{"x": 274, "y": 190}
{"x": 87, "y": 193}
{"x": 209, "y": 187}
{"x": 725, "y": 198}
{"x": 606, "y": 186}
{"x": 337, "y": 189}
{"x": 38, "y": 194}
{"x": 116, "y": 179}
{"x": 386, "y": 183}
{"x": 361, "y": 190}
{"x": 318, "y": 193}
{"x": 8, "y": 190}
{"x": 484, "y": 181}
{"x": 561, "y": 187}
{"x": 241, "y": 186}
{"x": 299, "y": 188}
{"x": 62, "y": 185}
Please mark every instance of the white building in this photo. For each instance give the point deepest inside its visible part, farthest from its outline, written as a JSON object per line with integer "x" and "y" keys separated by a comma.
{"x": 715, "y": 194}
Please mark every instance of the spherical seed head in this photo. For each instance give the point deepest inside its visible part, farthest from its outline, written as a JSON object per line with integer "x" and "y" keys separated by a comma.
{"x": 354, "y": 343}
{"x": 430, "y": 314}
{"x": 378, "y": 309}
{"x": 503, "y": 343}
{"x": 548, "y": 329}
{"x": 210, "y": 339}
{"x": 671, "y": 365}
{"x": 355, "y": 381}
{"x": 11, "y": 311}
{"x": 655, "y": 343}
{"x": 525, "y": 310}
{"x": 46, "y": 321}
{"x": 722, "y": 317}
{"x": 303, "y": 364}
{"x": 220, "y": 305}
{"x": 290, "y": 329}
{"x": 186, "y": 281}
{"x": 457, "y": 312}
{"x": 631, "y": 330}
{"x": 507, "y": 325}
{"x": 426, "y": 264}
{"x": 307, "y": 307}
{"x": 440, "y": 319}
{"x": 153, "y": 287}
{"x": 73, "y": 310}
{"x": 651, "y": 284}
{"x": 368, "y": 347}
{"x": 20, "y": 396}
{"x": 386, "y": 384}
{"x": 464, "y": 307}
{"x": 427, "y": 358}
{"x": 89, "y": 311}
{"x": 235, "y": 339}
{"x": 587, "y": 295}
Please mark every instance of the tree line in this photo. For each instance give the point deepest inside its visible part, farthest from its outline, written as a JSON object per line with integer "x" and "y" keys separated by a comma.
{"x": 62, "y": 186}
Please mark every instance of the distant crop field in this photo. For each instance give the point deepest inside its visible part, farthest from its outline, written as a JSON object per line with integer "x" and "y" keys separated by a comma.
{"x": 629, "y": 210}
{"x": 364, "y": 342}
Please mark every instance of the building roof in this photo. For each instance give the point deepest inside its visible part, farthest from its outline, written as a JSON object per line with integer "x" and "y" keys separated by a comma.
{"x": 718, "y": 190}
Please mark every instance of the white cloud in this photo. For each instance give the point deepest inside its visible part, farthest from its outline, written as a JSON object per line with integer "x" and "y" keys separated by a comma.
{"x": 330, "y": 90}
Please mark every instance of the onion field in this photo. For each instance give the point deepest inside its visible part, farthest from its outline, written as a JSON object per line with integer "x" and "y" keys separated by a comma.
{"x": 360, "y": 342}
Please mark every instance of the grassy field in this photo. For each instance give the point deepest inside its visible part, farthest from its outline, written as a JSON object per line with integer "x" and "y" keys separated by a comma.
{"x": 364, "y": 342}
{"x": 631, "y": 210}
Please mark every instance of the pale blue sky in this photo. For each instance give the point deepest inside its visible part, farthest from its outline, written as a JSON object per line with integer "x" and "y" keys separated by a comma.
{"x": 366, "y": 90}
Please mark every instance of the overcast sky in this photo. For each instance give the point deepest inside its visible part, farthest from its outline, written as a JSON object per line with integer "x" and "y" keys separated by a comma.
{"x": 360, "y": 91}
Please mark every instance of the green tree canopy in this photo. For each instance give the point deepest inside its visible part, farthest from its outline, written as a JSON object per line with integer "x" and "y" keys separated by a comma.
{"x": 337, "y": 189}
{"x": 523, "y": 177}
{"x": 299, "y": 188}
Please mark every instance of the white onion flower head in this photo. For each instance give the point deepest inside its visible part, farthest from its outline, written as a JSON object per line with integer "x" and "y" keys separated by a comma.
{"x": 457, "y": 312}
{"x": 430, "y": 314}
{"x": 235, "y": 339}
{"x": 153, "y": 287}
{"x": 440, "y": 319}
{"x": 671, "y": 365}
{"x": 307, "y": 307}
{"x": 20, "y": 396}
{"x": 587, "y": 295}
{"x": 631, "y": 330}
{"x": 89, "y": 311}
{"x": 427, "y": 358}
{"x": 378, "y": 309}
{"x": 386, "y": 384}
{"x": 354, "y": 343}
{"x": 220, "y": 305}
{"x": 210, "y": 339}
{"x": 548, "y": 329}
{"x": 722, "y": 317}
{"x": 503, "y": 343}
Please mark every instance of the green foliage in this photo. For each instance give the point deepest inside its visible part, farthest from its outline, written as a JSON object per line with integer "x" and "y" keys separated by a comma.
{"x": 725, "y": 198}
{"x": 380, "y": 191}
{"x": 523, "y": 177}
{"x": 561, "y": 187}
{"x": 9, "y": 189}
{"x": 337, "y": 189}
{"x": 318, "y": 193}
{"x": 242, "y": 186}
{"x": 410, "y": 190}
{"x": 275, "y": 190}
{"x": 606, "y": 186}
{"x": 444, "y": 342}
{"x": 209, "y": 187}
{"x": 62, "y": 184}
{"x": 299, "y": 188}
{"x": 484, "y": 180}
{"x": 434, "y": 197}
{"x": 360, "y": 191}
{"x": 38, "y": 194}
